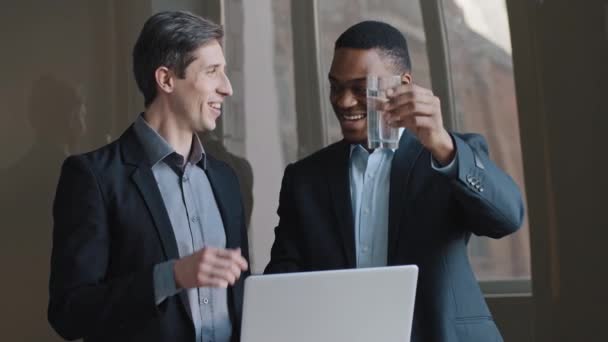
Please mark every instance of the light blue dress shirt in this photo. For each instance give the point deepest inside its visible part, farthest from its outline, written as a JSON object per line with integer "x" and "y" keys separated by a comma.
{"x": 369, "y": 193}
{"x": 196, "y": 222}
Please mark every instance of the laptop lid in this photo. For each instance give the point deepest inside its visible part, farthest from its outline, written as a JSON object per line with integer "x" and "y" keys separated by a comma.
{"x": 368, "y": 304}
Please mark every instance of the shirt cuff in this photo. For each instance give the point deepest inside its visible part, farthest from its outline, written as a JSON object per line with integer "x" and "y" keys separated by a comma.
{"x": 164, "y": 281}
{"x": 450, "y": 170}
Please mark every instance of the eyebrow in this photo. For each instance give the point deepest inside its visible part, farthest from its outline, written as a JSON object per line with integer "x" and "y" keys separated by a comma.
{"x": 211, "y": 66}
{"x": 355, "y": 80}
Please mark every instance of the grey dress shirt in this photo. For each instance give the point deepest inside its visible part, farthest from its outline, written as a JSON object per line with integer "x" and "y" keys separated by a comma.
{"x": 196, "y": 222}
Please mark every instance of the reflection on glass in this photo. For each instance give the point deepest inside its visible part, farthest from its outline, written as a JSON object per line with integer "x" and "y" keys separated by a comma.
{"x": 59, "y": 101}
{"x": 335, "y": 16}
{"x": 482, "y": 71}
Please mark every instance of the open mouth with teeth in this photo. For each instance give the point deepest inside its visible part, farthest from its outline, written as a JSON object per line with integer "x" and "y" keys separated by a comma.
{"x": 352, "y": 117}
{"x": 217, "y": 106}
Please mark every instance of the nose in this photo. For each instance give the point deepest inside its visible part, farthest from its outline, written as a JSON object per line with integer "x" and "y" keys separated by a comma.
{"x": 225, "y": 87}
{"x": 346, "y": 99}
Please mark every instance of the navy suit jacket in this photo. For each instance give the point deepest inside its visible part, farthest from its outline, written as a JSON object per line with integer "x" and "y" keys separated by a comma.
{"x": 110, "y": 229}
{"x": 431, "y": 218}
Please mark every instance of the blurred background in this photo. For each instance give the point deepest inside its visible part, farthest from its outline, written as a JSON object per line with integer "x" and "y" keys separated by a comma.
{"x": 528, "y": 74}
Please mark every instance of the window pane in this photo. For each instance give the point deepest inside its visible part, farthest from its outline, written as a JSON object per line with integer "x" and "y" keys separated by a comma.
{"x": 335, "y": 16}
{"x": 482, "y": 71}
{"x": 259, "y": 123}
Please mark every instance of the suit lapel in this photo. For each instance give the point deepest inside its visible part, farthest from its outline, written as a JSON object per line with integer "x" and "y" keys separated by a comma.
{"x": 339, "y": 184}
{"x": 146, "y": 183}
{"x": 220, "y": 184}
{"x": 405, "y": 157}
{"x": 144, "y": 179}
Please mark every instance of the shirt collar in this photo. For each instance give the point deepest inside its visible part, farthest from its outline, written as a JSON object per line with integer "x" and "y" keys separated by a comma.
{"x": 354, "y": 146}
{"x": 157, "y": 148}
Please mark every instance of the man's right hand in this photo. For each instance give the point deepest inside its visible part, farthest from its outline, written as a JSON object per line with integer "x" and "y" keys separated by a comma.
{"x": 209, "y": 267}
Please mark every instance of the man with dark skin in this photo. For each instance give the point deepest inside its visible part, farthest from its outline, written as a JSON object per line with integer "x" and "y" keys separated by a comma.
{"x": 347, "y": 206}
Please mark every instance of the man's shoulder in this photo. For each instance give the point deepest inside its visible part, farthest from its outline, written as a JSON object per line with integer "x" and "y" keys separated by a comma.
{"x": 105, "y": 159}
{"x": 323, "y": 157}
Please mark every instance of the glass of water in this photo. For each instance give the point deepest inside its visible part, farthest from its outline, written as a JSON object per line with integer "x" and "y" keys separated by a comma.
{"x": 379, "y": 133}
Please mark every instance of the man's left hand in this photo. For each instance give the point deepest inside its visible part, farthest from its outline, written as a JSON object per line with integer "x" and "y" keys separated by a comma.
{"x": 419, "y": 110}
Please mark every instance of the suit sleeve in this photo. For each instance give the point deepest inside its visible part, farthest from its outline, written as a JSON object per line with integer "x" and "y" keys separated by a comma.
{"x": 284, "y": 255}
{"x": 244, "y": 238}
{"x": 84, "y": 300}
{"x": 489, "y": 200}
{"x": 241, "y": 197}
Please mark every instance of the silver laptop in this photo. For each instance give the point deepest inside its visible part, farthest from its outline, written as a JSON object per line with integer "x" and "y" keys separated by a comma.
{"x": 368, "y": 304}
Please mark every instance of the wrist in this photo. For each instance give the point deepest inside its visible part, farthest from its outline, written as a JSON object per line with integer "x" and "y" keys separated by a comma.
{"x": 444, "y": 151}
{"x": 176, "y": 273}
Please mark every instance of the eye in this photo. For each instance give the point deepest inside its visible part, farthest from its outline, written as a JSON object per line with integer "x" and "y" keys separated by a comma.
{"x": 359, "y": 90}
{"x": 212, "y": 70}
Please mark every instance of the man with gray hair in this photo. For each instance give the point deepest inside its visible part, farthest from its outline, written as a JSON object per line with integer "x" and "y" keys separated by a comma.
{"x": 149, "y": 238}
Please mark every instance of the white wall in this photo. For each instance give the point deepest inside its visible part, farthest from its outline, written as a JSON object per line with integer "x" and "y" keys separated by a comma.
{"x": 263, "y": 148}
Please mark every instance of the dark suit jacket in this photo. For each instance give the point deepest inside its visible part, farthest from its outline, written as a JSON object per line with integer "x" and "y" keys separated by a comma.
{"x": 110, "y": 229}
{"x": 431, "y": 218}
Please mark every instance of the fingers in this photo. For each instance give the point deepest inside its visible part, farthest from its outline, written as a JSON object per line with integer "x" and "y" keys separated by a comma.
{"x": 234, "y": 256}
{"x": 414, "y": 123}
{"x": 407, "y": 114}
{"x": 222, "y": 277}
{"x": 408, "y": 101}
{"x": 220, "y": 267}
{"x": 418, "y": 110}
{"x": 407, "y": 88}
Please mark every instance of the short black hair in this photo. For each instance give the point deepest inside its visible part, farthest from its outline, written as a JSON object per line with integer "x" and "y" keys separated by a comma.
{"x": 168, "y": 39}
{"x": 377, "y": 35}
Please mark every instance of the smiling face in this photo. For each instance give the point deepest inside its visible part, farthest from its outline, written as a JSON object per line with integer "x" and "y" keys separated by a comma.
{"x": 198, "y": 97}
{"x": 347, "y": 78}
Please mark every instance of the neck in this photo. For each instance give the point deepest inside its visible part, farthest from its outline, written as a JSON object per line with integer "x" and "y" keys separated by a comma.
{"x": 167, "y": 125}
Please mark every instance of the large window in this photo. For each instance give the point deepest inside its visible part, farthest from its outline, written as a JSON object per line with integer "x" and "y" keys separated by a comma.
{"x": 484, "y": 91}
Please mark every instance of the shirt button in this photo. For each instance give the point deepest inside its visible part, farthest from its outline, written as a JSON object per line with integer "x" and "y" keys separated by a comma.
{"x": 365, "y": 249}
{"x": 185, "y": 179}
{"x": 366, "y": 211}
{"x": 204, "y": 300}
{"x": 194, "y": 219}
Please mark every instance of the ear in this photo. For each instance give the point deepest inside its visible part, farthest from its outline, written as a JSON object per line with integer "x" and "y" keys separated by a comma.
{"x": 164, "y": 79}
{"x": 406, "y": 78}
